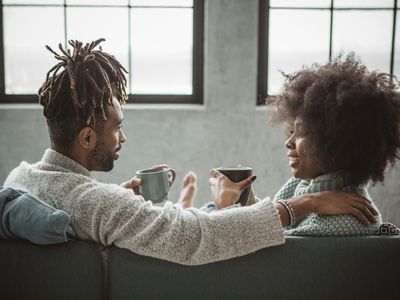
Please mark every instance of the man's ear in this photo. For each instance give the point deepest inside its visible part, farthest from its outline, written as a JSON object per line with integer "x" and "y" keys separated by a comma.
{"x": 87, "y": 138}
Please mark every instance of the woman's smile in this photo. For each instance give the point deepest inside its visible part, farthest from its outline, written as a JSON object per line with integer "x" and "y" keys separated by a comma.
{"x": 293, "y": 158}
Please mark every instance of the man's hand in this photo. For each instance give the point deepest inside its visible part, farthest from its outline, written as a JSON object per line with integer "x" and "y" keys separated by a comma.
{"x": 132, "y": 184}
{"x": 225, "y": 192}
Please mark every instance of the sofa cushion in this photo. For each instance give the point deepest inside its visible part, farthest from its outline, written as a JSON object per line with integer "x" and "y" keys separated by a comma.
{"x": 26, "y": 217}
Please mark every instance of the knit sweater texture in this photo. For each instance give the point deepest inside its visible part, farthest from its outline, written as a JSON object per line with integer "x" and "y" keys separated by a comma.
{"x": 317, "y": 225}
{"x": 112, "y": 215}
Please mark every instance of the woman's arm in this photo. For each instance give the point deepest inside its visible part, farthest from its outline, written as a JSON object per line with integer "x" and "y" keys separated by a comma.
{"x": 225, "y": 193}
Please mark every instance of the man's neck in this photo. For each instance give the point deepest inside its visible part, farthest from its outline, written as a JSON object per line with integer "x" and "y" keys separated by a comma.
{"x": 71, "y": 153}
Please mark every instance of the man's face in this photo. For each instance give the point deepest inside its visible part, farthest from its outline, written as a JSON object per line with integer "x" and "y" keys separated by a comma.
{"x": 303, "y": 164}
{"x": 109, "y": 140}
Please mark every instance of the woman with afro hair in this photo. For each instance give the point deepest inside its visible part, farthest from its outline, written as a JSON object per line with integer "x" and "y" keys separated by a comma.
{"x": 343, "y": 130}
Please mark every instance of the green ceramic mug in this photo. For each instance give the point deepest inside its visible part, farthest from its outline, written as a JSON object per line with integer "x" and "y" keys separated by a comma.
{"x": 155, "y": 185}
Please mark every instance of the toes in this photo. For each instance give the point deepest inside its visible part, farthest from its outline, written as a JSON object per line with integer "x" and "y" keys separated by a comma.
{"x": 189, "y": 178}
{"x": 185, "y": 180}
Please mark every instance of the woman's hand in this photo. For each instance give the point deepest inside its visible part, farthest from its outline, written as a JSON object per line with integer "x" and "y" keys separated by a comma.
{"x": 225, "y": 192}
{"x": 252, "y": 199}
{"x": 329, "y": 203}
{"x": 160, "y": 167}
{"x": 335, "y": 203}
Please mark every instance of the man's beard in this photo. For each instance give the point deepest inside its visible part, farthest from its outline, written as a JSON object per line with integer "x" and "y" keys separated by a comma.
{"x": 101, "y": 159}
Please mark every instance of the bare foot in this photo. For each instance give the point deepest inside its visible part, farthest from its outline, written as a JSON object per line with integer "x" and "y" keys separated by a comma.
{"x": 189, "y": 190}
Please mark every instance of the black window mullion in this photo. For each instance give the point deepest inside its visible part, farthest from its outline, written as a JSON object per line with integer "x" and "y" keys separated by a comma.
{"x": 198, "y": 52}
{"x": 331, "y": 31}
{"x": 65, "y": 25}
{"x": 2, "y": 61}
{"x": 129, "y": 48}
{"x": 263, "y": 53}
{"x": 393, "y": 38}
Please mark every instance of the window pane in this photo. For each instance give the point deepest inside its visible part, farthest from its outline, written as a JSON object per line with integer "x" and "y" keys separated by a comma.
{"x": 97, "y": 2}
{"x": 297, "y": 38}
{"x": 363, "y": 3}
{"x": 110, "y": 23}
{"x": 162, "y": 42}
{"x": 300, "y": 3}
{"x": 25, "y": 56}
{"x": 186, "y": 3}
{"x": 33, "y": 1}
{"x": 367, "y": 33}
{"x": 396, "y": 69}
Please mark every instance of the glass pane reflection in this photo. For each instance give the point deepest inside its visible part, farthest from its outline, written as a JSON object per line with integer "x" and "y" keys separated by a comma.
{"x": 110, "y": 23}
{"x": 297, "y": 38}
{"x": 97, "y": 2}
{"x": 300, "y": 3}
{"x": 363, "y": 3}
{"x": 51, "y": 2}
{"x": 26, "y": 58}
{"x": 367, "y": 33}
{"x": 162, "y": 54}
{"x": 185, "y": 3}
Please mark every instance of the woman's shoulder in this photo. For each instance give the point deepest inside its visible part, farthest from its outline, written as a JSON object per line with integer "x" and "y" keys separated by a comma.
{"x": 288, "y": 189}
{"x": 340, "y": 225}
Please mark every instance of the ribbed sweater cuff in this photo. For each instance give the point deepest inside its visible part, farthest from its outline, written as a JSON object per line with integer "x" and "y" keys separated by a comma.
{"x": 269, "y": 222}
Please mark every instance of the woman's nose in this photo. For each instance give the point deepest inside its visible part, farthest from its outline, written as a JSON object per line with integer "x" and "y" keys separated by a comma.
{"x": 289, "y": 143}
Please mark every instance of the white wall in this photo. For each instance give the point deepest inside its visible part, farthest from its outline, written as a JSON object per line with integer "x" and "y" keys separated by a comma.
{"x": 228, "y": 129}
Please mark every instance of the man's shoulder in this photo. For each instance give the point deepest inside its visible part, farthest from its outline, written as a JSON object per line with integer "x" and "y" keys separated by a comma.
{"x": 56, "y": 184}
{"x": 17, "y": 172}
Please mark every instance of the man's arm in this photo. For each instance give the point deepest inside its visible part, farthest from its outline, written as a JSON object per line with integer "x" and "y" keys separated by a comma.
{"x": 110, "y": 214}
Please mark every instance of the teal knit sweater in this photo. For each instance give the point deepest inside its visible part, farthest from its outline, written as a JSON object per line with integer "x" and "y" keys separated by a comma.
{"x": 316, "y": 225}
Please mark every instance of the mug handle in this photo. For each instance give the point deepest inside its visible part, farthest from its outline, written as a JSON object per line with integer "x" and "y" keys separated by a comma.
{"x": 173, "y": 174}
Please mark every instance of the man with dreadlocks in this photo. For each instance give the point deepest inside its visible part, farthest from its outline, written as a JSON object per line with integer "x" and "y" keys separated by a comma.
{"x": 81, "y": 98}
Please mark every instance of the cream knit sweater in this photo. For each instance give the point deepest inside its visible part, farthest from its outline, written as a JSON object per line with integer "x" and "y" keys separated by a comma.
{"x": 109, "y": 214}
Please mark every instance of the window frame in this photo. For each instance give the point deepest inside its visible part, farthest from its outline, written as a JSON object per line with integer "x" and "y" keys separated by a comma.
{"x": 197, "y": 64}
{"x": 263, "y": 39}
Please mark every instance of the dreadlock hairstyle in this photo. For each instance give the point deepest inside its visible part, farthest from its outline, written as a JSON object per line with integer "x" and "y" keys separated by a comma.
{"x": 79, "y": 95}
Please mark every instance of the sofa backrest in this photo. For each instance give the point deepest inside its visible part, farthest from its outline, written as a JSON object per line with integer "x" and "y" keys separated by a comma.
{"x": 303, "y": 268}
{"x": 67, "y": 271}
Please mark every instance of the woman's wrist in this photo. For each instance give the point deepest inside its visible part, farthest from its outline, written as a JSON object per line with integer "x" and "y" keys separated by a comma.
{"x": 283, "y": 214}
{"x": 290, "y": 212}
{"x": 295, "y": 209}
{"x": 302, "y": 206}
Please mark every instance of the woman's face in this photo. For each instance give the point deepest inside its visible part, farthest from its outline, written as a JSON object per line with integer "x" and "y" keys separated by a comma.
{"x": 301, "y": 162}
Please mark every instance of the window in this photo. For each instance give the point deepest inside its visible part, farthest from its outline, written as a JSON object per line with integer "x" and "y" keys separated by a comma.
{"x": 159, "y": 42}
{"x": 294, "y": 33}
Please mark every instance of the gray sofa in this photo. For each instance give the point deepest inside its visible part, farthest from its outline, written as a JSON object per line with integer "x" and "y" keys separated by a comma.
{"x": 303, "y": 268}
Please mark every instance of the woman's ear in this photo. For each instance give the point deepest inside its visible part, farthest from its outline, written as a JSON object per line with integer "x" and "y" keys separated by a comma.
{"x": 87, "y": 138}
